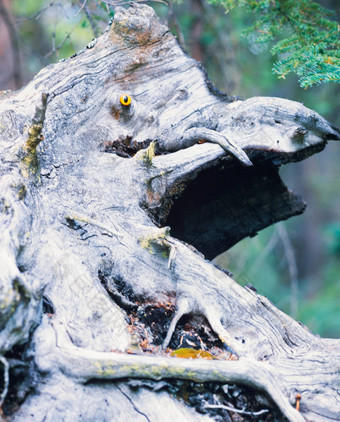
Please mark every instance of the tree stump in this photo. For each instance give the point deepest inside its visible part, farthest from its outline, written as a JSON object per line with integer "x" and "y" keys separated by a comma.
{"x": 123, "y": 170}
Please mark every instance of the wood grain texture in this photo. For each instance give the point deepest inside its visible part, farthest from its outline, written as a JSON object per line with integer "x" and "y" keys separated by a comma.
{"x": 84, "y": 223}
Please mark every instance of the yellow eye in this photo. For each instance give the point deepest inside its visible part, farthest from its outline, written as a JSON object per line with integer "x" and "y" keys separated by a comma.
{"x": 125, "y": 100}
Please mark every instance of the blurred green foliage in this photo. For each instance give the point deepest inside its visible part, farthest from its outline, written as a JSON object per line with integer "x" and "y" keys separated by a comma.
{"x": 242, "y": 65}
{"x": 266, "y": 269}
{"x": 332, "y": 237}
{"x": 309, "y": 44}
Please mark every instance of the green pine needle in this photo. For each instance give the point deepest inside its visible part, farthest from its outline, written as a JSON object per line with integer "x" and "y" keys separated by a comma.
{"x": 309, "y": 44}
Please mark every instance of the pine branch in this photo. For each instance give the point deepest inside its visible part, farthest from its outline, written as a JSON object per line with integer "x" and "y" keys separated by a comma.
{"x": 312, "y": 48}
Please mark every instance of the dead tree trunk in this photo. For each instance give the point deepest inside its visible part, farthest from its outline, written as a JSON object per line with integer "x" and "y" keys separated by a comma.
{"x": 99, "y": 155}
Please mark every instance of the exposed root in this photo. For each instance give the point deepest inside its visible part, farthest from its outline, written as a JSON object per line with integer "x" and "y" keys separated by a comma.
{"x": 6, "y": 380}
{"x": 85, "y": 365}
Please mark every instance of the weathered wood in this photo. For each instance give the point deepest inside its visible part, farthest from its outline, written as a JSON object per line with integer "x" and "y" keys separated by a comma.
{"x": 84, "y": 204}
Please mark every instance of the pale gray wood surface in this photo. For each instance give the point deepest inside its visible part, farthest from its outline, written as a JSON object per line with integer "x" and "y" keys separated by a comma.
{"x": 71, "y": 209}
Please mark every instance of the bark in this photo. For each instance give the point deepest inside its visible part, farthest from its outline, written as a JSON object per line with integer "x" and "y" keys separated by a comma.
{"x": 94, "y": 287}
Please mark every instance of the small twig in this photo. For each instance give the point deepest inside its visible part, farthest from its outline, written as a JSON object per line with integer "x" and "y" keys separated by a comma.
{"x": 172, "y": 254}
{"x": 81, "y": 8}
{"x": 292, "y": 267}
{"x": 54, "y": 36}
{"x": 265, "y": 252}
{"x": 173, "y": 19}
{"x": 233, "y": 409}
{"x": 6, "y": 380}
{"x": 58, "y": 47}
{"x": 37, "y": 15}
{"x": 75, "y": 216}
{"x": 91, "y": 20}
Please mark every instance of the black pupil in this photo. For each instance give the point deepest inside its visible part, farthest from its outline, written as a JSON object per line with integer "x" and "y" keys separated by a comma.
{"x": 125, "y": 99}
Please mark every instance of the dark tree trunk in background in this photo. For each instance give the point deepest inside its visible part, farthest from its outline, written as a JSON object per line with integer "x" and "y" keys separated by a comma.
{"x": 10, "y": 58}
{"x": 100, "y": 154}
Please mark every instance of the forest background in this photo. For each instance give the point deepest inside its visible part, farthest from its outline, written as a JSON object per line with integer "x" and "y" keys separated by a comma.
{"x": 296, "y": 264}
